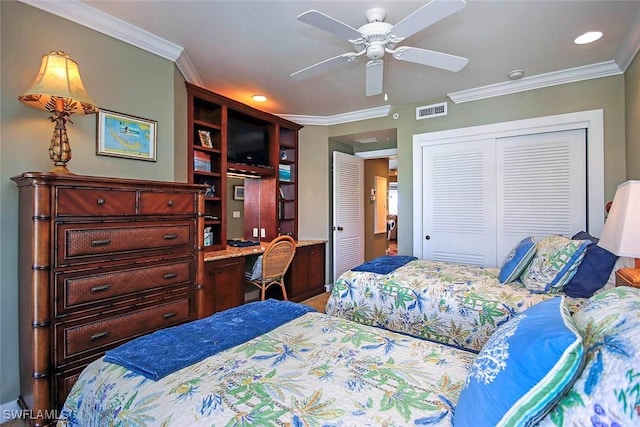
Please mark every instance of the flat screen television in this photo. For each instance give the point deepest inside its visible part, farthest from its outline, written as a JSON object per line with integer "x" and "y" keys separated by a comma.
{"x": 247, "y": 142}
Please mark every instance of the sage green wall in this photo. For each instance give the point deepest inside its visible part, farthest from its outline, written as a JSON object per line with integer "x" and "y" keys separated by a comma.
{"x": 118, "y": 77}
{"x": 313, "y": 187}
{"x": 603, "y": 93}
{"x": 632, "y": 101}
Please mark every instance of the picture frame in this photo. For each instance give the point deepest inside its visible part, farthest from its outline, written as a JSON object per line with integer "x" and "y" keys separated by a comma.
{"x": 126, "y": 136}
{"x": 205, "y": 138}
{"x": 238, "y": 192}
{"x": 201, "y": 161}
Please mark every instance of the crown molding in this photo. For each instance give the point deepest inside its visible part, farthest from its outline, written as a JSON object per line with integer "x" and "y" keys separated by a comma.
{"x": 90, "y": 17}
{"x": 187, "y": 69}
{"x": 593, "y": 71}
{"x": 353, "y": 116}
{"x": 631, "y": 45}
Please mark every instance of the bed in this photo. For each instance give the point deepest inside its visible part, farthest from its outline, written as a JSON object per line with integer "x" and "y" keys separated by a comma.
{"x": 320, "y": 370}
{"x": 456, "y": 304}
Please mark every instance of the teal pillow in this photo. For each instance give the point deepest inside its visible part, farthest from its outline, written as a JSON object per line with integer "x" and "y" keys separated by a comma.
{"x": 517, "y": 260}
{"x": 523, "y": 370}
{"x": 554, "y": 264}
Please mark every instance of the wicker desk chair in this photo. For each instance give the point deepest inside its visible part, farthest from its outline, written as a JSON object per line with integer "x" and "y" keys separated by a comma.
{"x": 275, "y": 263}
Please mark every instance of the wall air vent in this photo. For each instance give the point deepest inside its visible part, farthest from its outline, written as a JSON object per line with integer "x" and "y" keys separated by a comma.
{"x": 433, "y": 110}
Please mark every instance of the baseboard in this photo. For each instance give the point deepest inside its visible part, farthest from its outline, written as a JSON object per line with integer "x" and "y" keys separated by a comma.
{"x": 10, "y": 410}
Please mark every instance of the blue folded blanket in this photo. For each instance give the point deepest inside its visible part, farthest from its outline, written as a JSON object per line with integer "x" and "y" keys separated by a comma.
{"x": 385, "y": 264}
{"x": 168, "y": 350}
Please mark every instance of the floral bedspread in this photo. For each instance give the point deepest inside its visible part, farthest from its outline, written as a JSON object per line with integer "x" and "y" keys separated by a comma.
{"x": 456, "y": 304}
{"x": 316, "y": 370}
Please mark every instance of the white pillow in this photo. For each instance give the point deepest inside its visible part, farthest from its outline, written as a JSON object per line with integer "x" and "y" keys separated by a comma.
{"x": 256, "y": 273}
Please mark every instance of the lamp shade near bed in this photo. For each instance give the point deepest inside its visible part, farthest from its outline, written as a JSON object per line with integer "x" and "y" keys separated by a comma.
{"x": 621, "y": 233}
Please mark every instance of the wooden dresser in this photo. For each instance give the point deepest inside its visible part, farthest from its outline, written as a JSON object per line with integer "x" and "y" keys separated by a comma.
{"x": 101, "y": 261}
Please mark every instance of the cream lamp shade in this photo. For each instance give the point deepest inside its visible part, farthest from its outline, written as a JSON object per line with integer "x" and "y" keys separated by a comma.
{"x": 58, "y": 89}
{"x": 621, "y": 233}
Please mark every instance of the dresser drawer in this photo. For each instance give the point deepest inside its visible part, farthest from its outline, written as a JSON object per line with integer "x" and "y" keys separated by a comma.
{"x": 83, "y": 290}
{"x": 74, "y": 342}
{"x": 153, "y": 203}
{"x": 95, "y": 201}
{"x": 88, "y": 242}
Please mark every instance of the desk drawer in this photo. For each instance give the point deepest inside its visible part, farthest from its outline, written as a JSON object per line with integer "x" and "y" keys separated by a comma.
{"x": 84, "y": 289}
{"x": 94, "y": 337}
{"x": 95, "y": 201}
{"x": 154, "y": 203}
{"x": 86, "y": 242}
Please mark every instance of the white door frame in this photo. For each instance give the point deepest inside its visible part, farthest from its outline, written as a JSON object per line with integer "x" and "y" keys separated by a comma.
{"x": 592, "y": 120}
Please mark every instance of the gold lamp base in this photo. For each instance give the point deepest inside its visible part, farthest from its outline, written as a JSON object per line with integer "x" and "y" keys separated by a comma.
{"x": 60, "y": 149}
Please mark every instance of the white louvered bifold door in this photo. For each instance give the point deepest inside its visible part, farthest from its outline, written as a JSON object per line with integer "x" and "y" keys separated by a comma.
{"x": 348, "y": 212}
{"x": 541, "y": 182}
{"x": 459, "y": 215}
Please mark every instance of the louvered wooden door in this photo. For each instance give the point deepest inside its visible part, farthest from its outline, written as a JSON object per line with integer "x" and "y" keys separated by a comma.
{"x": 480, "y": 197}
{"x": 348, "y": 212}
{"x": 459, "y": 202}
{"x": 541, "y": 187}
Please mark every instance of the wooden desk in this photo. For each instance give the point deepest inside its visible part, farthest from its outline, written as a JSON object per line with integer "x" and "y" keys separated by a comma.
{"x": 224, "y": 281}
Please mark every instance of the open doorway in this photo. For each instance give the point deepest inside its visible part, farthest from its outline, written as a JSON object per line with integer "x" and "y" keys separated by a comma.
{"x": 375, "y": 147}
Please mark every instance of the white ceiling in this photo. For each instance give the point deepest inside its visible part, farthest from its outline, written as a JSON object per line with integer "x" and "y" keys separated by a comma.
{"x": 240, "y": 48}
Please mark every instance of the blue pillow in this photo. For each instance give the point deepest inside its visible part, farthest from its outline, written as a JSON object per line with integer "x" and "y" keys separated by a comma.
{"x": 594, "y": 270}
{"x": 524, "y": 369}
{"x": 517, "y": 260}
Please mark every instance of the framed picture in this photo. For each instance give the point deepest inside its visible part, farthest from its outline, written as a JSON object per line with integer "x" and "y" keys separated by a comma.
{"x": 238, "y": 192}
{"x": 121, "y": 135}
{"x": 205, "y": 138}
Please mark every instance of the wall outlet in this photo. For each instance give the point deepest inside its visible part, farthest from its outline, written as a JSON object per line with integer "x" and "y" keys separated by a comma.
{"x": 263, "y": 233}
{"x": 255, "y": 232}
{"x": 236, "y": 214}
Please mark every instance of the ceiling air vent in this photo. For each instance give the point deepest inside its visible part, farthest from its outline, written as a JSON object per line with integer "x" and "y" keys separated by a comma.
{"x": 433, "y": 110}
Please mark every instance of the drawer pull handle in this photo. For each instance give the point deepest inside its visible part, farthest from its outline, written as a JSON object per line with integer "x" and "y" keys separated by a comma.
{"x": 100, "y": 201}
{"x": 170, "y": 236}
{"x": 169, "y": 315}
{"x": 99, "y": 335}
{"x": 170, "y": 275}
{"x": 100, "y": 288}
{"x": 101, "y": 242}
{"x": 170, "y": 203}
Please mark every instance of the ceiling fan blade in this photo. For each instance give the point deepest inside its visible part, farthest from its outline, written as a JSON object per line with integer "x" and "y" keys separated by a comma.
{"x": 327, "y": 23}
{"x": 321, "y": 66}
{"x": 430, "y": 58}
{"x": 374, "y": 70}
{"x": 428, "y": 14}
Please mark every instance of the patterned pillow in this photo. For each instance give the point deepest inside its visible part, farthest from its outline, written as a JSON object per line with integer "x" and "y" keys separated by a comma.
{"x": 256, "y": 272}
{"x": 524, "y": 368}
{"x": 607, "y": 393}
{"x": 554, "y": 264}
{"x": 517, "y": 260}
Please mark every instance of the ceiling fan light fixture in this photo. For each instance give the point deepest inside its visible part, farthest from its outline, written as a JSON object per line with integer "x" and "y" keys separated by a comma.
{"x": 259, "y": 98}
{"x": 588, "y": 37}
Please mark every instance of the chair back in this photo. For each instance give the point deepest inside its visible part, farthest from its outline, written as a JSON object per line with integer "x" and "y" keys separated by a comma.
{"x": 277, "y": 257}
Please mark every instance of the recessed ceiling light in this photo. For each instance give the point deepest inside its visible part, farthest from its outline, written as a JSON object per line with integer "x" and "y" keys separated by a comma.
{"x": 588, "y": 37}
{"x": 259, "y": 98}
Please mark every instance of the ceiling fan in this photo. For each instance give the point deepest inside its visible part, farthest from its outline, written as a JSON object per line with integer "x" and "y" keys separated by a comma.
{"x": 378, "y": 37}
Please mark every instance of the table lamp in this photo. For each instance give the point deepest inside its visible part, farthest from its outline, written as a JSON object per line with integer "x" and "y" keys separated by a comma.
{"x": 58, "y": 89}
{"x": 621, "y": 233}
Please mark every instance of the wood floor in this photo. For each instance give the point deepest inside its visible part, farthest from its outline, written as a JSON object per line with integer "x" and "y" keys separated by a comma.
{"x": 318, "y": 302}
